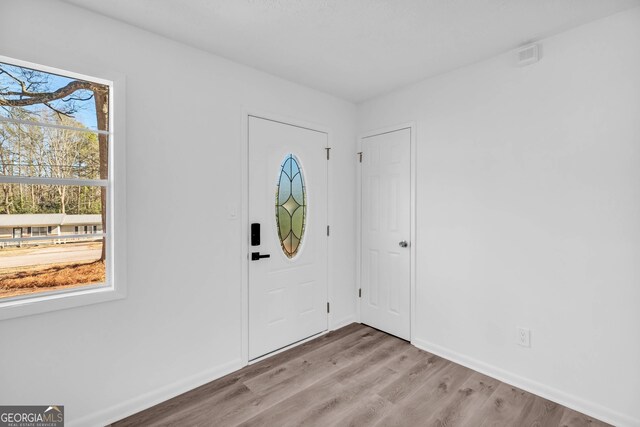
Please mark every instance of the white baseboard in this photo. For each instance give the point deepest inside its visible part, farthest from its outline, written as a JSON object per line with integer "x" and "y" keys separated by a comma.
{"x": 139, "y": 403}
{"x": 344, "y": 322}
{"x": 570, "y": 401}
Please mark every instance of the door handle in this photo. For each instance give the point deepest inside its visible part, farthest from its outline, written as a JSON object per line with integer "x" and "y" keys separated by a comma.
{"x": 403, "y": 244}
{"x": 255, "y": 256}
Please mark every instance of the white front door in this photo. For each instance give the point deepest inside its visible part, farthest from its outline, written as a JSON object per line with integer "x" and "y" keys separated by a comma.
{"x": 288, "y": 237}
{"x": 385, "y": 301}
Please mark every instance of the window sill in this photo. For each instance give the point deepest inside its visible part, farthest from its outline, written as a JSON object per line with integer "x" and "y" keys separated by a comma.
{"x": 59, "y": 300}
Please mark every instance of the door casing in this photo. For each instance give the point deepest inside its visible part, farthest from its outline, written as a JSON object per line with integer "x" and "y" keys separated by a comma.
{"x": 412, "y": 248}
{"x": 244, "y": 217}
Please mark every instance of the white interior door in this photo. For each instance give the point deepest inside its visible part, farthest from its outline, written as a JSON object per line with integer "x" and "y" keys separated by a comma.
{"x": 288, "y": 199}
{"x": 385, "y": 301}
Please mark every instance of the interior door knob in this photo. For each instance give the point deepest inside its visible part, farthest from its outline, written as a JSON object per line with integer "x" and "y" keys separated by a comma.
{"x": 403, "y": 244}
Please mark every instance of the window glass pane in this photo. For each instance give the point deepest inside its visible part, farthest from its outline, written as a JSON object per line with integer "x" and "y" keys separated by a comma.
{"x": 38, "y": 231}
{"x": 33, "y": 95}
{"x": 291, "y": 206}
{"x": 44, "y": 152}
{"x": 34, "y": 260}
{"x": 24, "y": 273}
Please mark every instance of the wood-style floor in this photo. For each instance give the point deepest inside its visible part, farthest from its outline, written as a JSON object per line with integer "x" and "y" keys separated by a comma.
{"x": 357, "y": 376}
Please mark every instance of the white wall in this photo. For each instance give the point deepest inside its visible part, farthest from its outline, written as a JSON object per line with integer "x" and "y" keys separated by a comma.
{"x": 180, "y": 324}
{"x": 528, "y": 208}
{"x": 528, "y": 214}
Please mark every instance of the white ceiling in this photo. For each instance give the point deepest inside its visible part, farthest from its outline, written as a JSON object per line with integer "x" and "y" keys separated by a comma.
{"x": 356, "y": 49}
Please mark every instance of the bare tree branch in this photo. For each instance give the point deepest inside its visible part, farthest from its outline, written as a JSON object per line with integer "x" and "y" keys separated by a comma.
{"x": 20, "y": 82}
{"x": 58, "y": 112}
{"x": 44, "y": 97}
{"x": 74, "y": 98}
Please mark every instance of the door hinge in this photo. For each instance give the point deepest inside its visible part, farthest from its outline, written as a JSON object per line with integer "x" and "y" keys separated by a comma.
{"x": 360, "y": 155}
{"x": 328, "y": 150}
{"x": 328, "y": 230}
{"x": 328, "y": 310}
{"x": 360, "y": 293}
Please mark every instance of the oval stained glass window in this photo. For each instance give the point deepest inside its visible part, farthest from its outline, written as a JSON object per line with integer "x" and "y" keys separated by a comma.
{"x": 291, "y": 206}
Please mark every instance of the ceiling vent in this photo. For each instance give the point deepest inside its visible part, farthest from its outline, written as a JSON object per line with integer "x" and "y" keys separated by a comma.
{"x": 529, "y": 54}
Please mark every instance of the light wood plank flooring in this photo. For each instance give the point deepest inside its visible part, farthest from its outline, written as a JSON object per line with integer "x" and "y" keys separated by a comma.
{"x": 357, "y": 376}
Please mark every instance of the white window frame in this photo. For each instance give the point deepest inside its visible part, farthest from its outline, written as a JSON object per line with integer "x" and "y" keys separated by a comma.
{"x": 115, "y": 268}
{"x": 39, "y": 227}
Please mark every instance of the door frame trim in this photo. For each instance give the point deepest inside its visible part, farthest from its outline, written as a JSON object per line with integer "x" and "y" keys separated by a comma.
{"x": 244, "y": 218}
{"x": 412, "y": 223}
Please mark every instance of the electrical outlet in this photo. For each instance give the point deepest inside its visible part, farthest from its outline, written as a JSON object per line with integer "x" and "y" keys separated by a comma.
{"x": 524, "y": 337}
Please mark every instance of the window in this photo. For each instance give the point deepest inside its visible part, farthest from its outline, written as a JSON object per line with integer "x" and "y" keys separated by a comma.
{"x": 38, "y": 231}
{"x": 291, "y": 206}
{"x": 82, "y": 229}
{"x": 55, "y": 163}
